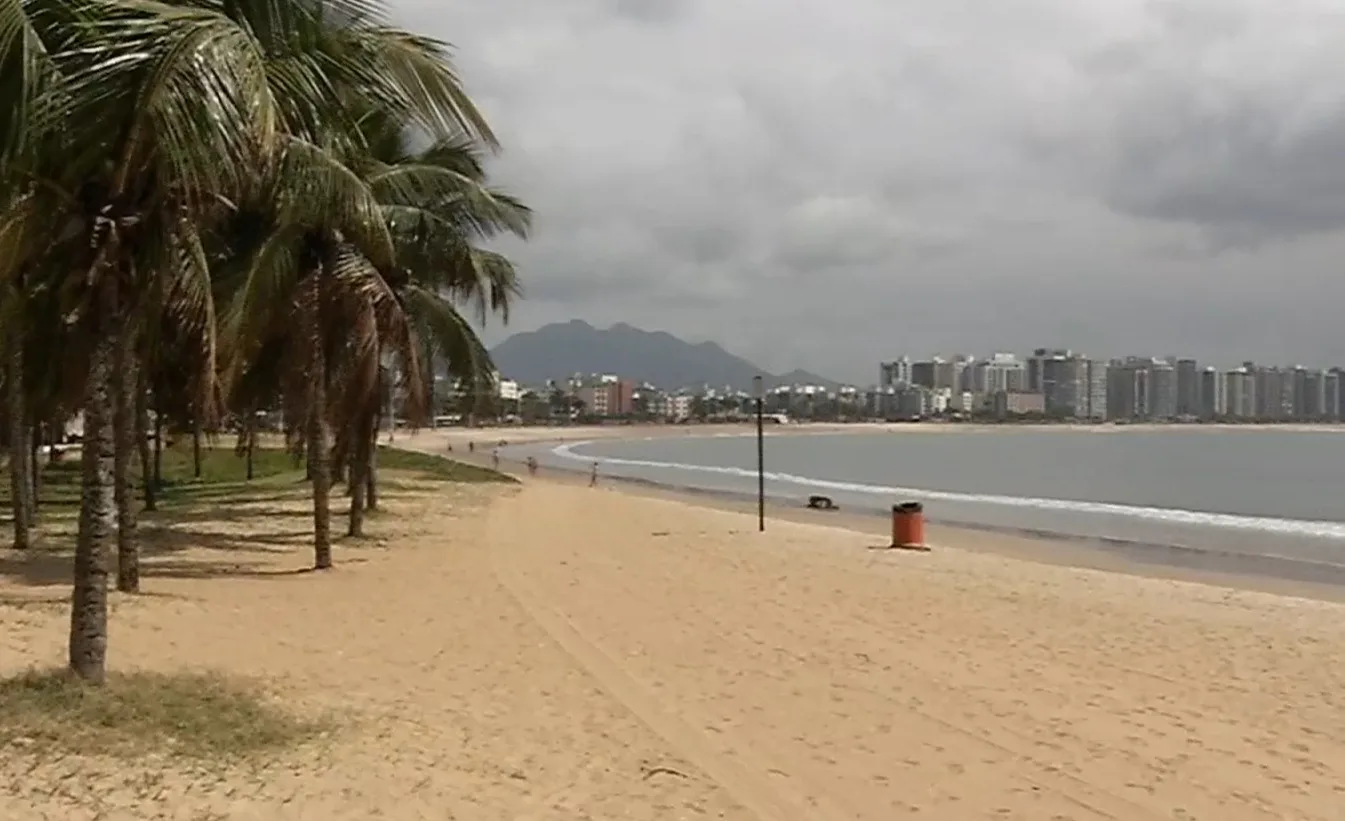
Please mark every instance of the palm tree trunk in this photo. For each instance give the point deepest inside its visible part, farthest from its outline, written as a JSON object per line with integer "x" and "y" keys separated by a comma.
{"x": 34, "y": 451}
{"x": 97, "y": 510}
{"x": 319, "y": 438}
{"x": 371, "y": 474}
{"x": 124, "y": 430}
{"x": 251, "y": 432}
{"x": 359, "y": 463}
{"x": 158, "y": 443}
{"x": 20, "y": 481}
{"x": 319, "y": 460}
{"x": 143, "y": 446}
{"x": 338, "y": 470}
{"x": 196, "y": 434}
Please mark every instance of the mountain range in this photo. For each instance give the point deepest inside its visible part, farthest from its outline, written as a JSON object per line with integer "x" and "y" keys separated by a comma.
{"x": 562, "y": 349}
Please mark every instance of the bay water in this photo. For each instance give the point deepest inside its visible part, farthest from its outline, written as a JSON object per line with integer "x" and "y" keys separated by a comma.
{"x": 1201, "y": 495}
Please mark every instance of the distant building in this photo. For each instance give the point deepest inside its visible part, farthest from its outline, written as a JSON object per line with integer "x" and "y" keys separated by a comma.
{"x": 1188, "y": 376}
{"x": 1162, "y": 390}
{"x": 1309, "y": 395}
{"x": 1001, "y": 372}
{"x": 1074, "y": 386}
{"x": 1004, "y": 404}
{"x": 609, "y": 398}
{"x": 1036, "y": 367}
{"x": 507, "y": 389}
{"x": 1213, "y": 394}
{"x": 895, "y": 373}
{"x": 1242, "y": 401}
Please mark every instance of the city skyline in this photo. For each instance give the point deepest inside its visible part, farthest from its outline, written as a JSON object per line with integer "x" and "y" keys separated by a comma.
{"x": 1065, "y": 384}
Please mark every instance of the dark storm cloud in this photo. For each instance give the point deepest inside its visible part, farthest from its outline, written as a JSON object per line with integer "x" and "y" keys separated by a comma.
{"x": 1230, "y": 117}
{"x": 888, "y": 176}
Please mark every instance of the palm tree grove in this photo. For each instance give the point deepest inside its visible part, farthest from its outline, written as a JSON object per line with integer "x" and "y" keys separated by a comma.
{"x": 215, "y": 209}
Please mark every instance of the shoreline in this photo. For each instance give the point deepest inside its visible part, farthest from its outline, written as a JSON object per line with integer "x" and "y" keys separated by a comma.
{"x": 521, "y": 434}
{"x": 1264, "y": 574}
{"x": 1232, "y": 571}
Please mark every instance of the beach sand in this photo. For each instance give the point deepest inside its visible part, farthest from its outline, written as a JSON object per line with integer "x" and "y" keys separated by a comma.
{"x": 437, "y": 440}
{"x": 558, "y": 652}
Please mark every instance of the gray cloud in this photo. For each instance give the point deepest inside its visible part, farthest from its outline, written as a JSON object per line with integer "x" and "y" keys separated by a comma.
{"x": 822, "y": 184}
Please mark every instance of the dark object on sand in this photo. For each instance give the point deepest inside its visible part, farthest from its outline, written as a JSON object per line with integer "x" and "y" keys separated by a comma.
{"x": 821, "y": 503}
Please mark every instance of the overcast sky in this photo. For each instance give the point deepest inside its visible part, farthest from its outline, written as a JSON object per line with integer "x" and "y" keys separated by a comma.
{"x": 827, "y": 183}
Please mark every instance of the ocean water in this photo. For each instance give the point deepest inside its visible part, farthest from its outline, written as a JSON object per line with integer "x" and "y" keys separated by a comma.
{"x": 1268, "y": 497}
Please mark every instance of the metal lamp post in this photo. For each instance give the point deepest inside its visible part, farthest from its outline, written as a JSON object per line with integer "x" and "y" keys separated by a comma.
{"x": 758, "y": 391}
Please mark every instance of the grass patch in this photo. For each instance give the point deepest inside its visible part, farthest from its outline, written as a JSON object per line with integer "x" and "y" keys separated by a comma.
{"x": 224, "y": 474}
{"x": 200, "y": 716}
{"x": 220, "y": 467}
{"x": 219, "y": 464}
{"x": 437, "y": 467}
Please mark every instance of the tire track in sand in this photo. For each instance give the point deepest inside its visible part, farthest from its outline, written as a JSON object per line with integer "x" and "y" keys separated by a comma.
{"x": 765, "y": 800}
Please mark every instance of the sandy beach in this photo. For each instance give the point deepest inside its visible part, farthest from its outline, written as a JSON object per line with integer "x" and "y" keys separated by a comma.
{"x": 551, "y": 651}
{"x": 436, "y": 440}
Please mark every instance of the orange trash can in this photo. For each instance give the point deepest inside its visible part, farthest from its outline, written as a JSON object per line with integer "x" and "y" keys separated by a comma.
{"x": 908, "y": 526}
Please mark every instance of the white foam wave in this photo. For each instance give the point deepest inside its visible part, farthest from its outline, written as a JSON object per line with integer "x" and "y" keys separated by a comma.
{"x": 1264, "y": 524}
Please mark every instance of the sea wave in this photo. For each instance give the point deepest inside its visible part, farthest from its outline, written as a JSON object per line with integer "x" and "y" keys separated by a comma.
{"x": 1229, "y": 521}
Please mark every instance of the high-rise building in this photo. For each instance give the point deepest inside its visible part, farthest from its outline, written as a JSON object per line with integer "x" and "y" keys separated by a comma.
{"x": 948, "y": 373}
{"x": 1001, "y": 372}
{"x": 1274, "y": 393}
{"x": 923, "y": 372}
{"x": 1073, "y": 385}
{"x": 1097, "y": 390}
{"x": 1213, "y": 394}
{"x": 1188, "y": 388}
{"x": 1128, "y": 389}
{"x": 1141, "y": 388}
{"x": 895, "y": 373}
{"x": 1241, "y": 387}
{"x": 1036, "y": 367}
{"x": 1309, "y": 394}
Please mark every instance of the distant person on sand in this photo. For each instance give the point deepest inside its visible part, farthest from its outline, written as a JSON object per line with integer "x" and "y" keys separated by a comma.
{"x": 532, "y": 465}
{"x": 471, "y": 447}
{"x": 593, "y": 478}
{"x": 494, "y": 460}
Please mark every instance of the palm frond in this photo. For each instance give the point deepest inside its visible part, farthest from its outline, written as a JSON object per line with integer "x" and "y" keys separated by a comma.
{"x": 318, "y": 192}
{"x": 413, "y": 77}
{"x": 181, "y": 91}
{"x": 451, "y": 335}
{"x": 474, "y": 207}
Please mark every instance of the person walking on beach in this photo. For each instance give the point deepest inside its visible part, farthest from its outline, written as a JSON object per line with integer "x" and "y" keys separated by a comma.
{"x": 593, "y": 477}
{"x": 495, "y": 460}
{"x": 532, "y": 465}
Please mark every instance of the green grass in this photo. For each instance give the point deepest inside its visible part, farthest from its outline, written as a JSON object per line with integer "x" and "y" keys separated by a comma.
{"x": 201, "y": 716}
{"x": 224, "y": 474}
{"x": 221, "y": 469}
{"x": 437, "y": 467}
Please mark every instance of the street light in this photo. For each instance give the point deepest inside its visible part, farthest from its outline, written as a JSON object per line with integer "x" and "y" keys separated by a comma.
{"x": 759, "y": 392}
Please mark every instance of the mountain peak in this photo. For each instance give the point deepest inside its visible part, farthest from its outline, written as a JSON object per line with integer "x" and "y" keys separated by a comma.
{"x": 562, "y": 349}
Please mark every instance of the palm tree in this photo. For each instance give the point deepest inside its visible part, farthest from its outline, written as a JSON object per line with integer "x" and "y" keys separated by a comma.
{"x": 437, "y": 207}
{"x": 133, "y": 137}
{"x": 316, "y": 258}
{"x": 148, "y": 112}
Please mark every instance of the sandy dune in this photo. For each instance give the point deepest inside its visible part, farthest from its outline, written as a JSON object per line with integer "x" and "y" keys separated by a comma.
{"x": 558, "y": 652}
